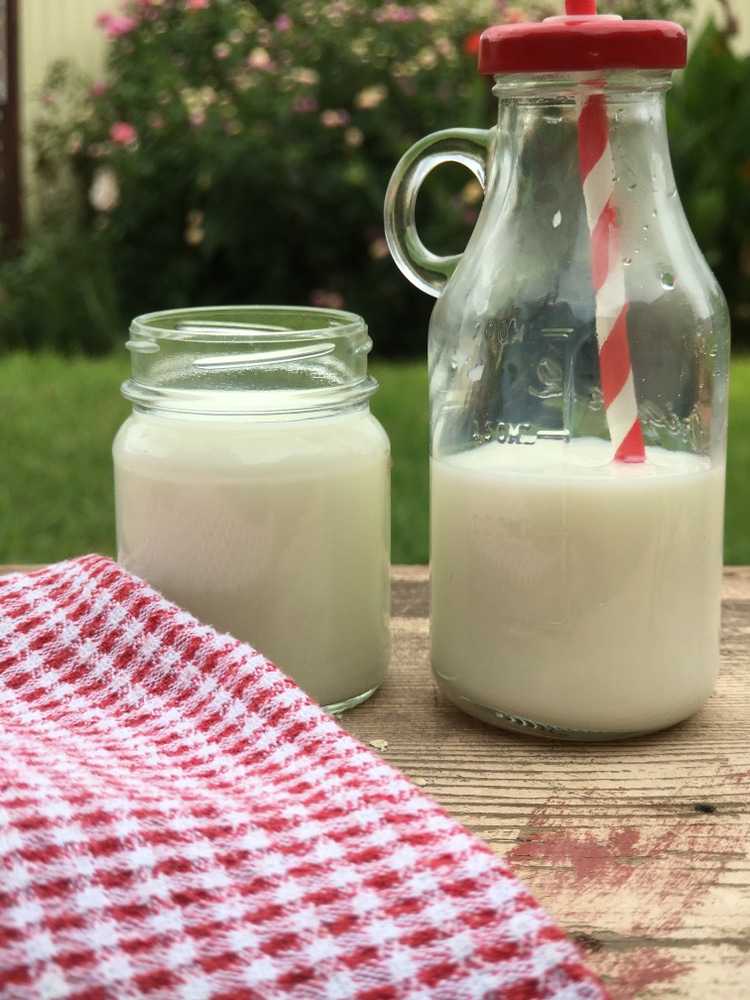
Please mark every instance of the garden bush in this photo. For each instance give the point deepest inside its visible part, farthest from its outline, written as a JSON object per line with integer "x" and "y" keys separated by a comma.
{"x": 709, "y": 129}
{"x": 239, "y": 152}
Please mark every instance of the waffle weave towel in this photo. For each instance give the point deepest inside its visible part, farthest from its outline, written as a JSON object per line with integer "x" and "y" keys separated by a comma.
{"x": 177, "y": 820}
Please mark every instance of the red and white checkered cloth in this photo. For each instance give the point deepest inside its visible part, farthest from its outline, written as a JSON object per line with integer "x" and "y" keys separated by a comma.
{"x": 177, "y": 820}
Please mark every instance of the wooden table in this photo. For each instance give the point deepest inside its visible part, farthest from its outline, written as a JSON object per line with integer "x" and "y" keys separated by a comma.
{"x": 639, "y": 848}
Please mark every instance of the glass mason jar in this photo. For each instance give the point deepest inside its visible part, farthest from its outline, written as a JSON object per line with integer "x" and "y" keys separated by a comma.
{"x": 578, "y": 368}
{"x": 252, "y": 486}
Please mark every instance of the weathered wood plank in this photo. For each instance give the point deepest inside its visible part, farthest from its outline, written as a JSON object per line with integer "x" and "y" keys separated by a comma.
{"x": 639, "y": 848}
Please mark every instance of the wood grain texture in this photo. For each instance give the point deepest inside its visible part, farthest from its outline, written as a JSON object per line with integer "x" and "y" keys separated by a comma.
{"x": 639, "y": 848}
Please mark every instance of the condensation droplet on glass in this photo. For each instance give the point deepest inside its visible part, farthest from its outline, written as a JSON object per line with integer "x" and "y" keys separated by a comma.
{"x": 557, "y": 218}
{"x": 627, "y": 260}
{"x": 476, "y": 373}
{"x": 668, "y": 280}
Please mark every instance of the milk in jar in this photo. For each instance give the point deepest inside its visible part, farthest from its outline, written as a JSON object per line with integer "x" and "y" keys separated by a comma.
{"x": 252, "y": 488}
{"x": 571, "y": 593}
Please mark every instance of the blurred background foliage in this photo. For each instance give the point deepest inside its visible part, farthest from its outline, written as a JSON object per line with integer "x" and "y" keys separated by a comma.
{"x": 709, "y": 129}
{"x": 239, "y": 152}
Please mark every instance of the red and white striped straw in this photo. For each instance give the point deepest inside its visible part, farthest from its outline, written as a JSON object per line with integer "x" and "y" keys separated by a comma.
{"x": 597, "y": 174}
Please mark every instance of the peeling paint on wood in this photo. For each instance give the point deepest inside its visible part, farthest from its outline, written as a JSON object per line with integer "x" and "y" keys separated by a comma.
{"x": 639, "y": 848}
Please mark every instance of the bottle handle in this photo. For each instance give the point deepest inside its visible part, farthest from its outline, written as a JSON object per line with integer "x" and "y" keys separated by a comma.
{"x": 467, "y": 146}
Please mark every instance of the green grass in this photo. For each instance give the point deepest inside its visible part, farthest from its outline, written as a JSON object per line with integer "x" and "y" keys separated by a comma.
{"x": 402, "y": 408}
{"x": 59, "y": 419}
{"x": 737, "y": 510}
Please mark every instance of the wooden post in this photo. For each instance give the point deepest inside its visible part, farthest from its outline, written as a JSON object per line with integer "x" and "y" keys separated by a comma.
{"x": 10, "y": 180}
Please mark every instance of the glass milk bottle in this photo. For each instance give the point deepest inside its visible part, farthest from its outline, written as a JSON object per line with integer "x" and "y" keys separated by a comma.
{"x": 252, "y": 486}
{"x": 578, "y": 366}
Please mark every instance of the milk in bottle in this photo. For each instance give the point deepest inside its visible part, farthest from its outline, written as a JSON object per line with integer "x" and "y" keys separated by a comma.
{"x": 578, "y": 356}
{"x": 573, "y": 592}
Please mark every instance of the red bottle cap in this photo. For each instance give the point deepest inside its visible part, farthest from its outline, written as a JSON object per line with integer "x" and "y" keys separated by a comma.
{"x": 583, "y": 40}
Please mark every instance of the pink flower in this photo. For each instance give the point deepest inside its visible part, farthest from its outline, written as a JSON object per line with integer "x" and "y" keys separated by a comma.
{"x": 114, "y": 25}
{"x": 98, "y": 88}
{"x": 104, "y": 194}
{"x": 283, "y": 22}
{"x": 194, "y": 231}
{"x": 514, "y": 15}
{"x": 123, "y": 133}
{"x": 378, "y": 249}
{"x": 326, "y": 298}
{"x": 197, "y": 4}
{"x": 334, "y": 118}
{"x": 260, "y": 59}
{"x": 371, "y": 97}
{"x": 354, "y": 136}
{"x": 305, "y": 105}
{"x": 392, "y": 13}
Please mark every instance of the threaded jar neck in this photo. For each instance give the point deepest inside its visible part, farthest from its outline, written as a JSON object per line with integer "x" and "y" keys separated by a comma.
{"x": 261, "y": 361}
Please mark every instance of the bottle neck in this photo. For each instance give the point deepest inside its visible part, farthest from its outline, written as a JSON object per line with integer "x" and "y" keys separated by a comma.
{"x": 631, "y": 84}
{"x": 540, "y": 127}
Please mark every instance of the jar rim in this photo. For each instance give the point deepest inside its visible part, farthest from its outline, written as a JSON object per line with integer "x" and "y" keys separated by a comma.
{"x": 242, "y": 359}
{"x": 241, "y": 323}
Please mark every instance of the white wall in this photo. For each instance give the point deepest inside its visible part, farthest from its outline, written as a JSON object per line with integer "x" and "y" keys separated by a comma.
{"x": 50, "y": 30}
{"x": 703, "y": 9}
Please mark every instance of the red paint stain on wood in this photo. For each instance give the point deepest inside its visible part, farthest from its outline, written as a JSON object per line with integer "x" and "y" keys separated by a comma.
{"x": 607, "y": 864}
{"x": 589, "y": 871}
{"x": 670, "y": 871}
{"x": 642, "y": 884}
{"x": 627, "y": 976}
